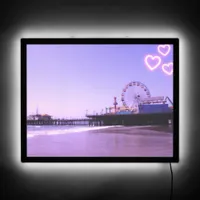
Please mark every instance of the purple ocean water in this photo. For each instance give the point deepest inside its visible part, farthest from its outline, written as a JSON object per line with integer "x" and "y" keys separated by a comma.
{"x": 112, "y": 141}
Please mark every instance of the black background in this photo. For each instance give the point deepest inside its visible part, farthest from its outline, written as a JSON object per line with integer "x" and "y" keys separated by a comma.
{"x": 99, "y": 181}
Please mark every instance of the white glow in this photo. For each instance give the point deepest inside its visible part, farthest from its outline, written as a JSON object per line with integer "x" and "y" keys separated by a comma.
{"x": 84, "y": 32}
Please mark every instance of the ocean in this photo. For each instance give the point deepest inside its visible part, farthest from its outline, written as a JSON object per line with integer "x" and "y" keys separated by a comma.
{"x": 111, "y": 141}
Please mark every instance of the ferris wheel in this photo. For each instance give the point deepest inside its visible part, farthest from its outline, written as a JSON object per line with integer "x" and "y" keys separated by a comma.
{"x": 133, "y": 93}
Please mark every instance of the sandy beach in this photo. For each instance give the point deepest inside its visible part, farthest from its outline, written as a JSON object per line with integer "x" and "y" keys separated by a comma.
{"x": 137, "y": 141}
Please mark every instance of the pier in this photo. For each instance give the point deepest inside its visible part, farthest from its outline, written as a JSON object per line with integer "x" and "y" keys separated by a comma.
{"x": 131, "y": 119}
{"x": 73, "y": 122}
{"x": 110, "y": 120}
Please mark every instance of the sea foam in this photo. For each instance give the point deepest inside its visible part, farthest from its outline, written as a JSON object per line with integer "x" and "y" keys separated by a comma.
{"x": 32, "y": 134}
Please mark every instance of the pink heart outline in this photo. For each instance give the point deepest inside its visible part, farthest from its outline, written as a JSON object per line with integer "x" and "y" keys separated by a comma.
{"x": 153, "y": 58}
{"x": 163, "y": 47}
{"x": 167, "y": 71}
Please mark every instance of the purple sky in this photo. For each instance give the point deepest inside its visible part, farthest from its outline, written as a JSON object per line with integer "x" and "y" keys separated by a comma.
{"x": 67, "y": 80}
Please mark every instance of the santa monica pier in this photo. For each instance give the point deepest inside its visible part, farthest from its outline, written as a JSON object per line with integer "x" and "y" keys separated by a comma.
{"x": 138, "y": 107}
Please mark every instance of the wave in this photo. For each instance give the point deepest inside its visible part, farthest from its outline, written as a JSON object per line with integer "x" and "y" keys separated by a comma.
{"x": 32, "y": 134}
{"x": 32, "y": 126}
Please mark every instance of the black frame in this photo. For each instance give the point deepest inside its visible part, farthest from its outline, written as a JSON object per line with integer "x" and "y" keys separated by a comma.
{"x": 172, "y": 41}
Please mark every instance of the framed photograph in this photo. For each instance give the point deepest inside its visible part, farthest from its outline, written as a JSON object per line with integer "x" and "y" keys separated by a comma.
{"x": 99, "y": 100}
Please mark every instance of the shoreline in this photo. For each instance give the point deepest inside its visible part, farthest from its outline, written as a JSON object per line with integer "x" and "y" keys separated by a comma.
{"x": 137, "y": 130}
{"x": 163, "y": 131}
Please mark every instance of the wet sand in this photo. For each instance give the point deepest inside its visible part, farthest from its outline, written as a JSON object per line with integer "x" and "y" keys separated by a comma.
{"x": 138, "y": 130}
{"x": 166, "y": 129}
{"x": 135, "y": 141}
